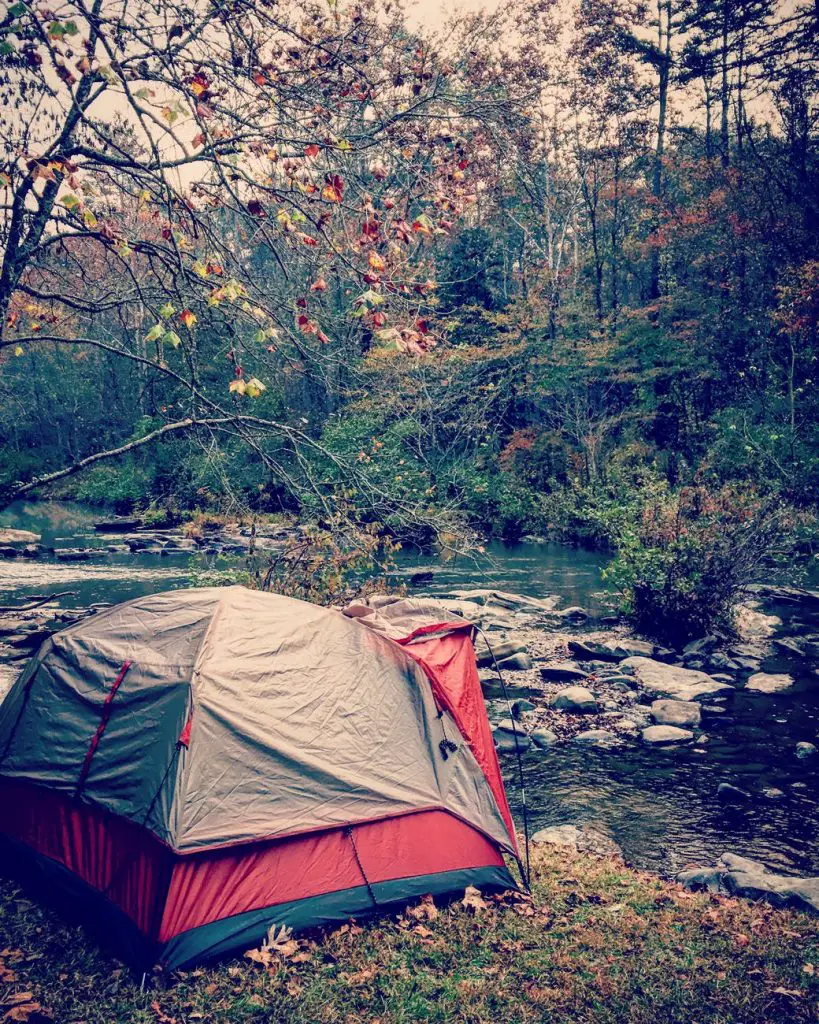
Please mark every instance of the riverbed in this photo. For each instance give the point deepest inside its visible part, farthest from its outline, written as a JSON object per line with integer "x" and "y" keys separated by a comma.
{"x": 659, "y": 805}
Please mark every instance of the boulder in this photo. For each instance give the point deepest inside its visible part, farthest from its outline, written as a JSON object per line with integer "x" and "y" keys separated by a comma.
{"x": 510, "y": 725}
{"x": 9, "y": 536}
{"x": 663, "y": 680}
{"x": 564, "y": 672}
{"x": 506, "y": 600}
{"x": 578, "y": 839}
{"x": 805, "y": 750}
{"x": 516, "y": 662}
{"x": 119, "y": 525}
{"x": 766, "y": 682}
{"x": 621, "y": 682}
{"x": 500, "y": 652}
{"x": 575, "y": 698}
{"x": 73, "y": 555}
{"x": 7, "y": 551}
{"x": 511, "y": 743}
{"x": 598, "y": 738}
{"x": 543, "y": 738}
{"x": 588, "y": 650}
{"x": 791, "y": 646}
{"x": 682, "y": 713}
{"x": 574, "y": 614}
{"x": 729, "y": 794}
{"x": 664, "y": 735}
{"x": 704, "y": 645}
{"x": 632, "y": 648}
{"x": 740, "y": 876}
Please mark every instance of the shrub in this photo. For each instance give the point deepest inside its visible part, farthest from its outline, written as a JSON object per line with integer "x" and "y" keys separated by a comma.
{"x": 683, "y": 564}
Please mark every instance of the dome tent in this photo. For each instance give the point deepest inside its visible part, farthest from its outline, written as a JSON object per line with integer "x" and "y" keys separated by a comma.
{"x": 193, "y": 767}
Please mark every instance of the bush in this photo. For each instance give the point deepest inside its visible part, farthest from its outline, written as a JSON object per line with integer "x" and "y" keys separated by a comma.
{"x": 683, "y": 564}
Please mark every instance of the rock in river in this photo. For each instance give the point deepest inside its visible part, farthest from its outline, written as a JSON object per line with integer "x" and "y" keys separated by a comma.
{"x": 684, "y": 713}
{"x": 544, "y": 738}
{"x": 767, "y": 682}
{"x": 578, "y": 839}
{"x": 729, "y": 794}
{"x": 740, "y": 876}
{"x": 575, "y": 698}
{"x": 663, "y": 735}
{"x": 599, "y": 738}
{"x": 671, "y": 681}
{"x": 9, "y": 536}
{"x": 805, "y": 750}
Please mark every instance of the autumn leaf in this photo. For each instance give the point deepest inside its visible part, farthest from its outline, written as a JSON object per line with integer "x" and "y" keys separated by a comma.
{"x": 375, "y": 261}
{"x": 425, "y": 910}
{"x": 319, "y": 285}
{"x": 473, "y": 899}
{"x": 254, "y": 387}
{"x": 188, "y": 318}
{"x": 199, "y": 84}
{"x": 312, "y": 150}
{"x": 238, "y": 387}
{"x": 155, "y": 332}
{"x": 422, "y": 225}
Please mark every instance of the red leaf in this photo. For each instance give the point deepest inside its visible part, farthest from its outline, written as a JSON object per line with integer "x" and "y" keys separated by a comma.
{"x": 312, "y": 150}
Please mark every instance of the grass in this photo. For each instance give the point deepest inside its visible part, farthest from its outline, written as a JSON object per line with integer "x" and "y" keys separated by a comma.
{"x": 601, "y": 944}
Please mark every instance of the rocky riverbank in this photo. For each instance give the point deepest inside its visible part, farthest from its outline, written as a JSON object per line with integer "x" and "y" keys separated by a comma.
{"x": 131, "y": 536}
{"x": 553, "y": 676}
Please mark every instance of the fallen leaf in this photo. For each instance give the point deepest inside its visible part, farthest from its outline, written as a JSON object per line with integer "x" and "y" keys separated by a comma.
{"x": 473, "y": 900}
{"x": 425, "y": 910}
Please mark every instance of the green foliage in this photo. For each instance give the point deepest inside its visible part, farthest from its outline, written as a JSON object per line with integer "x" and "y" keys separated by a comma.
{"x": 684, "y": 561}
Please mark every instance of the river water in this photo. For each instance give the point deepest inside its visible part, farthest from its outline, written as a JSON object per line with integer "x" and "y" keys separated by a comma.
{"x": 659, "y": 805}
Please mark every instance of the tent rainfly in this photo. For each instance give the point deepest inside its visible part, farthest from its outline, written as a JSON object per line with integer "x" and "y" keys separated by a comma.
{"x": 188, "y": 769}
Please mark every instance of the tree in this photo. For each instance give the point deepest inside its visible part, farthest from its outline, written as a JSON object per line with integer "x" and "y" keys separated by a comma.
{"x": 221, "y": 198}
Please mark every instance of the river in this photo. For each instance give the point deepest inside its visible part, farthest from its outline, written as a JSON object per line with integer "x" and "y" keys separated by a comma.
{"x": 659, "y": 805}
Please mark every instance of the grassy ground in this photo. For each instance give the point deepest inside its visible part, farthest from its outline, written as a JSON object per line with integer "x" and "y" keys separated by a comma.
{"x": 601, "y": 944}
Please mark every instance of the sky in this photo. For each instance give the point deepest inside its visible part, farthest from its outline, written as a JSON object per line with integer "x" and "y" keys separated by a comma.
{"x": 433, "y": 13}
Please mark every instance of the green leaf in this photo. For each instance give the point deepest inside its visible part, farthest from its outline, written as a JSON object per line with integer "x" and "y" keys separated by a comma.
{"x": 6, "y": 48}
{"x": 17, "y": 10}
{"x": 172, "y": 338}
{"x": 155, "y": 332}
{"x": 167, "y": 310}
{"x": 254, "y": 387}
{"x": 71, "y": 202}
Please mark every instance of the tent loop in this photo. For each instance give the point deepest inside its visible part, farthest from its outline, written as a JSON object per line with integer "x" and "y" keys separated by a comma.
{"x": 348, "y": 831}
{"x": 527, "y": 874}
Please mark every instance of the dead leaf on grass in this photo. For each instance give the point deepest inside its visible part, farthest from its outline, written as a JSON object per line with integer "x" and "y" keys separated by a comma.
{"x": 425, "y": 910}
{"x": 473, "y": 899}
